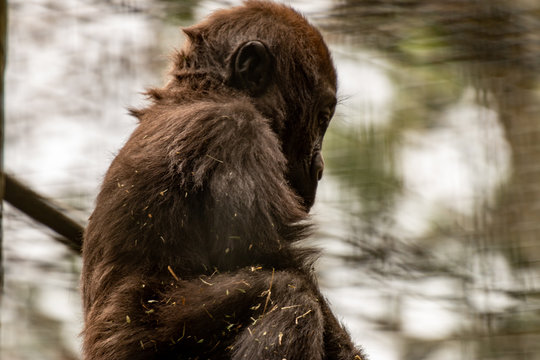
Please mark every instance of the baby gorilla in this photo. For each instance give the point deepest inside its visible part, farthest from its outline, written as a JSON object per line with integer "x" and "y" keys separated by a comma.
{"x": 190, "y": 251}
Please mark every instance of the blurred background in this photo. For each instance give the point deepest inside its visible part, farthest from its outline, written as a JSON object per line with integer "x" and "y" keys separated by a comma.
{"x": 429, "y": 210}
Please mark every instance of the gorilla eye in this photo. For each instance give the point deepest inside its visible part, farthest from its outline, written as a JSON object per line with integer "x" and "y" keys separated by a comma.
{"x": 325, "y": 114}
{"x": 324, "y": 118}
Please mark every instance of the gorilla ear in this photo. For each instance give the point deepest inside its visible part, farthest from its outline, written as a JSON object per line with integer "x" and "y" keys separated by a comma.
{"x": 251, "y": 67}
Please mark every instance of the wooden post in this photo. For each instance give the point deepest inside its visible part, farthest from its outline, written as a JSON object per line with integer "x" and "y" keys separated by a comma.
{"x": 3, "y": 51}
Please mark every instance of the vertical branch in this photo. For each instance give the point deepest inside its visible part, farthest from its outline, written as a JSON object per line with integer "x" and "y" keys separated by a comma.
{"x": 3, "y": 51}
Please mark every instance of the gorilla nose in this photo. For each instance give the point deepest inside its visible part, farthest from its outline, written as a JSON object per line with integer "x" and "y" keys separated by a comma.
{"x": 318, "y": 165}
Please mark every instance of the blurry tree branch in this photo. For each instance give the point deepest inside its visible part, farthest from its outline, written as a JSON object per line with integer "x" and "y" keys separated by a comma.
{"x": 44, "y": 211}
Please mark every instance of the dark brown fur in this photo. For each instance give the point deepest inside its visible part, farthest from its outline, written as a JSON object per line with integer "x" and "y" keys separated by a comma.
{"x": 189, "y": 253}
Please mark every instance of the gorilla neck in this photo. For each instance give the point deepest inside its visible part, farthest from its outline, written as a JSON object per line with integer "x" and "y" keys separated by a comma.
{"x": 197, "y": 81}
{"x": 193, "y": 86}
